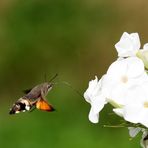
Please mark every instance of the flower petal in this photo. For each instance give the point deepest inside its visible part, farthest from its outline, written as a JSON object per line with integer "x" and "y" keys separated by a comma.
{"x": 131, "y": 67}
{"x": 95, "y": 97}
{"x": 132, "y": 113}
{"x": 98, "y": 103}
{"x": 128, "y": 45}
{"x": 118, "y": 111}
{"x": 145, "y": 47}
{"x": 89, "y": 93}
{"x": 93, "y": 117}
{"x": 136, "y": 40}
{"x": 135, "y": 67}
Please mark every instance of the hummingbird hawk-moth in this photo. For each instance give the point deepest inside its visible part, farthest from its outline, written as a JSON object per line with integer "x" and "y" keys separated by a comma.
{"x": 34, "y": 98}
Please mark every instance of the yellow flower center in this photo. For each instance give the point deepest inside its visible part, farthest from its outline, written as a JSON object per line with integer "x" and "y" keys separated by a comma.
{"x": 146, "y": 104}
{"x": 124, "y": 79}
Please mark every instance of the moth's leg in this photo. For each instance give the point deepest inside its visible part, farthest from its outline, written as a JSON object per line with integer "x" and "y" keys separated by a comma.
{"x": 32, "y": 109}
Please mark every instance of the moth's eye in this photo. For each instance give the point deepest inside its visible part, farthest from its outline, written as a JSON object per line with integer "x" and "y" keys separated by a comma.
{"x": 49, "y": 86}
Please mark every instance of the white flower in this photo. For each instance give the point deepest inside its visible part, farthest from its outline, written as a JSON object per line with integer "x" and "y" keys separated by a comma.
{"x": 121, "y": 77}
{"x": 124, "y": 86}
{"x": 135, "y": 109}
{"x": 128, "y": 45}
{"x": 94, "y": 96}
{"x": 119, "y": 87}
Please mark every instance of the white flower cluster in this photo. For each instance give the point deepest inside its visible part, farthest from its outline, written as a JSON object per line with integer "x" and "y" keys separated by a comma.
{"x": 125, "y": 84}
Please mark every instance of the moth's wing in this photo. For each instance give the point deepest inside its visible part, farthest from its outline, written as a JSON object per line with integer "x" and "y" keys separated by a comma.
{"x": 26, "y": 91}
{"x": 33, "y": 93}
{"x": 44, "y": 105}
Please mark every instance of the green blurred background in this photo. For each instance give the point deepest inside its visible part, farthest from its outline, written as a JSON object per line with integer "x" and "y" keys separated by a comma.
{"x": 74, "y": 38}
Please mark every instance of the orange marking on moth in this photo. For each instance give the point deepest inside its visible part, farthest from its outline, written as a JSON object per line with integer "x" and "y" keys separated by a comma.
{"x": 44, "y": 105}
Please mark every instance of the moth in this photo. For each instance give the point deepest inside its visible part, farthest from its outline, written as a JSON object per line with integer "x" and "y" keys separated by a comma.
{"x": 34, "y": 98}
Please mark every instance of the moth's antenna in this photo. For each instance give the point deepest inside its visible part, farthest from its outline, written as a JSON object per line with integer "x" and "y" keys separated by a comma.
{"x": 70, "y": 86}
{"x": 67, "y": 84}
{"x": 53, "y": 77}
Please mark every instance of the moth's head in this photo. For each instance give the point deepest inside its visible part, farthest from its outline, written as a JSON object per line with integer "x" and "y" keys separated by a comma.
{"x": 49, "y": 86}
{"x": 50, "y": 83}
{"x": 46, "y": 88}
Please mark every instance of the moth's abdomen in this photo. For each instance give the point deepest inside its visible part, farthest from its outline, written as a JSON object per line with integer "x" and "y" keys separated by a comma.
{"x": 17, "y": 107}
{"x": 20, "y": 106}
